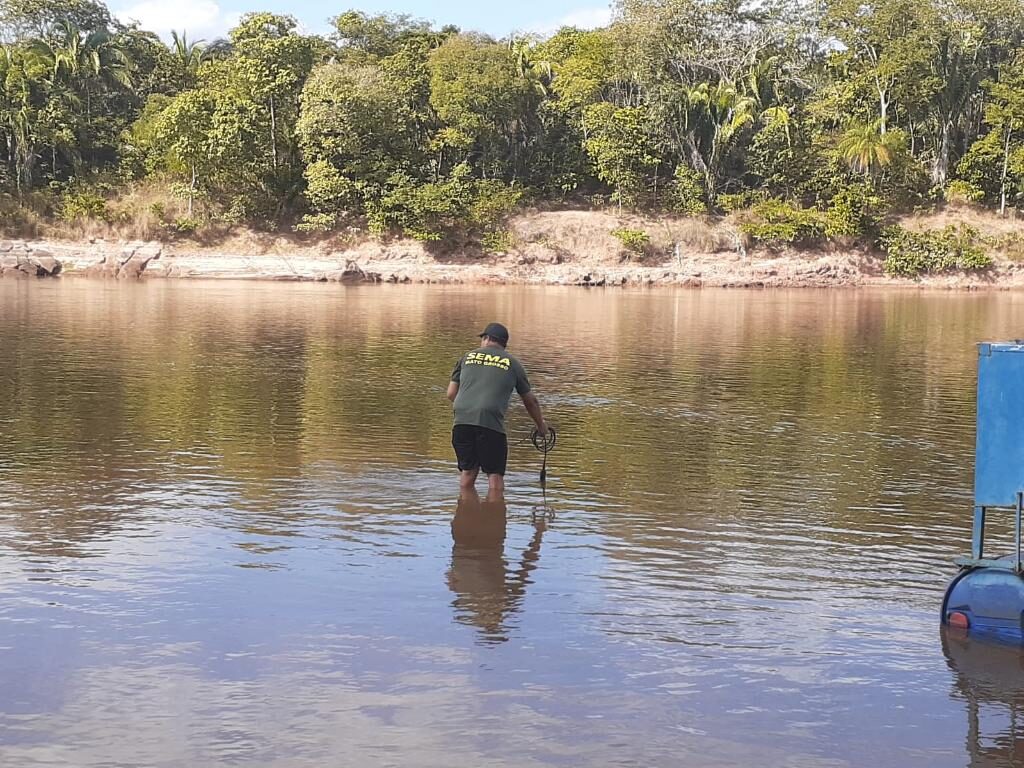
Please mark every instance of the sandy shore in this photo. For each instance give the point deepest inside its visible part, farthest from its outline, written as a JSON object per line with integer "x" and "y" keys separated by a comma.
{"x": 691, "y": 270}
{"x": 567, "y": 248}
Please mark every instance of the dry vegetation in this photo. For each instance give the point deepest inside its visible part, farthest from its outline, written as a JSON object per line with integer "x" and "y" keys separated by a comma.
{"x": 148, "y": 212}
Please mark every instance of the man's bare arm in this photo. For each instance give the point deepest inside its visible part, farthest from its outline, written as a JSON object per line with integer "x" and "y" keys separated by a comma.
{"x": 533, "y": 408}
{"x": 453, "y": 390}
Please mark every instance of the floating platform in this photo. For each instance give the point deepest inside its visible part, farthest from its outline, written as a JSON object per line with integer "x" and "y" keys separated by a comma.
{"x": 986, "y": 599}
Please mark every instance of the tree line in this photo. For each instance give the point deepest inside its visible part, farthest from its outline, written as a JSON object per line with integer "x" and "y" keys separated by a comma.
{"x": 818, "y": 117}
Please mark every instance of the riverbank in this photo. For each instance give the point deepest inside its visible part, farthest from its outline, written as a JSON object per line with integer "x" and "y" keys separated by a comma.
{"x": 549, "y": 248}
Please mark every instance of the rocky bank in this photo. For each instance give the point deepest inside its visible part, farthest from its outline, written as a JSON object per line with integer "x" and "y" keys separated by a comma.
{"x": 556, "y": 248}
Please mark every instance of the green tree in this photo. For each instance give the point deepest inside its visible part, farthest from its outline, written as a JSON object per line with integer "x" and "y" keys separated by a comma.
{"x": 787, "y": 156}
{"x": 582, "y": 66}
{"x": 26, "y": 19}
{"x": 579, "y": 70}
{"x": 355, "y": 132}
{"x": 484, "y": 107}
{"x": 974, "y": 37}
{"x": 886, "y": 45}
{"x": 152, "y": 69}
{"x": 255, "y": 90}
{"x": 1006, "y": 114}
{"x": 184, "y": 131}
{"x": 87, "y": 62}
{"x": 269, "y": 64}
{"x": 361, "y": 37}
{"x": 19, "y": 115}
{"x": 621, "y": 147}
{"x": 995, "y": 162}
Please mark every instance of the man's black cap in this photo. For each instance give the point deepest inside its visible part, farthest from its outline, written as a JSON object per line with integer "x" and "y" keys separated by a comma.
{"x": 496, "y": 331}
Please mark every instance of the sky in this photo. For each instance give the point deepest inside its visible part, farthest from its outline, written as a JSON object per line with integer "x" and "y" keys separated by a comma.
{"x": 211, "y": 18}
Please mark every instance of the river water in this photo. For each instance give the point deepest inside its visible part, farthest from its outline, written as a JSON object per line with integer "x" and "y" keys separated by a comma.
{"x": 226, "y": 530}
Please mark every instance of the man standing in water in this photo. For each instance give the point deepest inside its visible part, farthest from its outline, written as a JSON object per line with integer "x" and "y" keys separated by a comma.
{"x": 481, "y": 387}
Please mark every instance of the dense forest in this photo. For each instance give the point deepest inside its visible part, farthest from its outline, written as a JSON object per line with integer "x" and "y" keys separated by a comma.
{"x": 816, "y": 121}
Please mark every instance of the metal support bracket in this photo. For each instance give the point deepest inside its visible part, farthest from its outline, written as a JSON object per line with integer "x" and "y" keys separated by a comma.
{"x": 978, "y": 559}
{"x": 978, "y": 533}
{"x": 1016, "y": 530}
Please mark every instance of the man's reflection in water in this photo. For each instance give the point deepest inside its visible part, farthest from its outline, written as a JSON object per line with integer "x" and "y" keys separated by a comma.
{"x": 990, "y": 680}
{"x": 488, "y": 587}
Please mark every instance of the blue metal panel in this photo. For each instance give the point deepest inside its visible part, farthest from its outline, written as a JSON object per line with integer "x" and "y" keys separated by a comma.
{"x": 999, "y": 456}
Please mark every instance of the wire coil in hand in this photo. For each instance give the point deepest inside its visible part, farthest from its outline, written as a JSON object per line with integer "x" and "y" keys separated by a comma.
{"x": 544, "y": 444}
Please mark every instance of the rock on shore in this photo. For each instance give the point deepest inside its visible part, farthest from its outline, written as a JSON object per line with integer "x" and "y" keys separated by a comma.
{"x": 351, "y": 273}
{"x": 131, "y": 261}
{"x": 26, "y": 259}
{"x": 21, "y": 260}
{"x": 563, "y": 257}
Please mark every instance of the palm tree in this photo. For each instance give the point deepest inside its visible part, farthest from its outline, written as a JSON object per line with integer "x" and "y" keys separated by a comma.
{"x": 90, "y": 61}
{"x": 867, "y": 150}
{"x": 188, "y": 57}
{"x": 715, "y": 115}
{"x": 539, "y": 72}
{"x": 72, "y": 67}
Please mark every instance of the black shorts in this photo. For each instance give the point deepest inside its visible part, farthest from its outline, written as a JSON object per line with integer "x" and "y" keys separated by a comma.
{"x": 479, "y": 447}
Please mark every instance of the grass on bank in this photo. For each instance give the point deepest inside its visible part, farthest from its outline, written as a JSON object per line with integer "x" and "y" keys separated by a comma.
{"x": 958, "y": 236}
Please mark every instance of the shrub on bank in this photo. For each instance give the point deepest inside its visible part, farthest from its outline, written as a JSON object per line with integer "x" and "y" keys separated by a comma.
{"x": 738, "y": 201}
{"x": 687, "y": 192}
{"x": 84, "y": 204}
{"x": 431, "y": 212}
{"x": 634, "y": 241}
{"x": 317, "y": 222}
{"x": 186, "y": 225}
{"x": 853, "y": 213}
{"x": 1009, "y": 245}
{"x": 909, "y": 253}
{"x": 498, "y": 241}
{"x": 777, "y": 222}
{"x": 960, "y": 191}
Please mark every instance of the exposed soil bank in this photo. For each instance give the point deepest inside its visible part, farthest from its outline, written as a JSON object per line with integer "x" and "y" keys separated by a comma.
{"x": 556, "y": 248}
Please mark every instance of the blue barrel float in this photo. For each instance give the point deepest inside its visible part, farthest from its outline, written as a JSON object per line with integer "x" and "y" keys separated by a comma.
{"x": 986, "y": 598}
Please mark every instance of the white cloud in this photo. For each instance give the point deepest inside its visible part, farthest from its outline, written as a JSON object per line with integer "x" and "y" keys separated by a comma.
{"x": 199, "y": 18}
{"x": 583, "y": 18}
{"x": 587, "y": 18}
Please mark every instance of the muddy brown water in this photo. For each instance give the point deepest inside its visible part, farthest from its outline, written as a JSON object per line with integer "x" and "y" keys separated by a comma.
{"x": 226, "y": 530}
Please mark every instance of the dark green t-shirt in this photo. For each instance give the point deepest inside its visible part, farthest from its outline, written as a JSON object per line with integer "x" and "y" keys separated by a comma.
{"x": 486, "y": 378}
